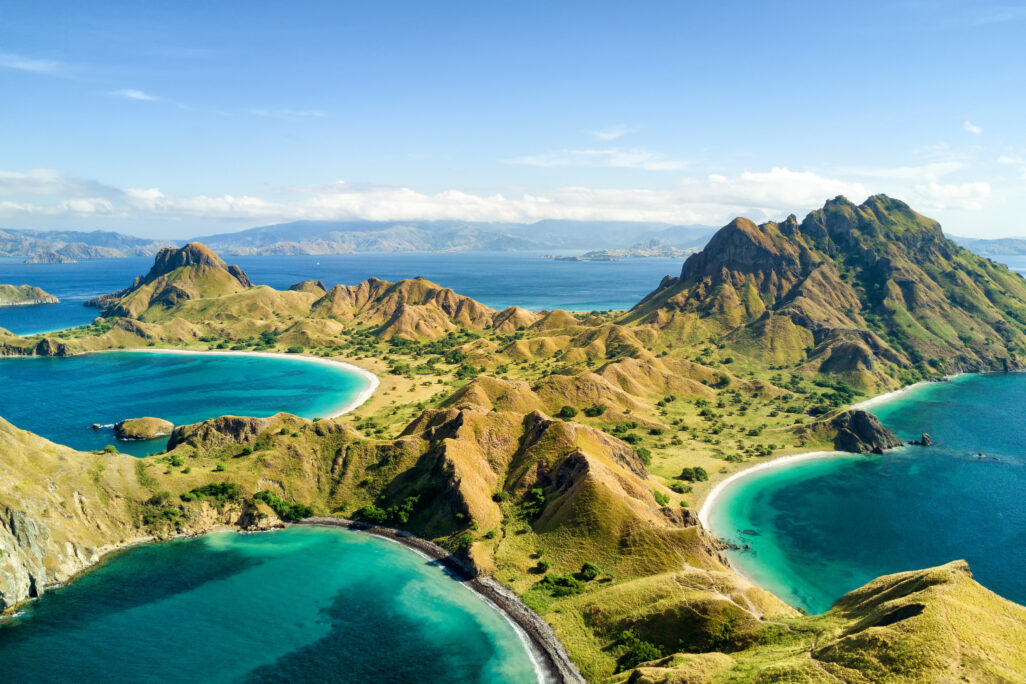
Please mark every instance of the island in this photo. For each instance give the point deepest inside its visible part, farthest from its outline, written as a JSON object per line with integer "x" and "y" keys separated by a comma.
{"x": 24, "y": 295}
{"x": 50, "y": 258}
{"x": 654, "y": 248}
{"x": 561, "y": 458}
{"x": 143, "y": 428}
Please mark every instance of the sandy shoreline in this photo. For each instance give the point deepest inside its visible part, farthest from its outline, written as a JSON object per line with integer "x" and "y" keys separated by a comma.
{"x": 364, "y": 394}
{"x": 783, "y": 461}
{"x": 556, "y": 665}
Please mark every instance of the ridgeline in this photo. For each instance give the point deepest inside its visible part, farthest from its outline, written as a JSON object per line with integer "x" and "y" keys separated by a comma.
{"x": 564, "y": 454}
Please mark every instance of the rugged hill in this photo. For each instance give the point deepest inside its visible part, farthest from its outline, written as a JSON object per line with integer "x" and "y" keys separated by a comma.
{"x": 178, "y": 275}
{"x": 873, "y": 293}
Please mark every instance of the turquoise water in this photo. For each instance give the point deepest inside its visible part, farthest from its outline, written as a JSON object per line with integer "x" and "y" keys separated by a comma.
{"x": 497, "y": 279}
{"x": 61, "y": 398}
{"x": 299, "y": 605}
{"x": 820, "y": 528}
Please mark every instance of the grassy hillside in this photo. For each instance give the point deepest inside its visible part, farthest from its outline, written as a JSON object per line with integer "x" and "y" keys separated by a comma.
{"x": 565, "y": 454}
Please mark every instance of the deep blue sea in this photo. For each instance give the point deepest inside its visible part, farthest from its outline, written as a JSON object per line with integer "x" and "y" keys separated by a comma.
{"x": 820, "y": 528}
{"x": 61, "y": 398}
{"x": 498, "y": 279}
{"x": 298, "y": 605}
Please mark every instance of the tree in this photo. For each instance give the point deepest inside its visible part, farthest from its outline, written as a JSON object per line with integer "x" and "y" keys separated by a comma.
{"x": 590, "y": 571}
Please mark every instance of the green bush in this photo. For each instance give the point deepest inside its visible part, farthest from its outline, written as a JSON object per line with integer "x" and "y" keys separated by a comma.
{"x": 567, "y": 412}
{"x": 561, "y": 585}
{"x": 533, "y": 503}
{"x": 590, "y": 571}
{"x": 660, "y": 498}
{"x": 221, "y": 491}
{"x": 595, "y": 411}
{"x": 284, "y": 509}
{"x": 637, "y": 651}
{"x": 696, "y": 474}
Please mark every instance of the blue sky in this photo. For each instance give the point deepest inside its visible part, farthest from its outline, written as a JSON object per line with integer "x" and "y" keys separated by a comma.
{"x": 176, "y": 119}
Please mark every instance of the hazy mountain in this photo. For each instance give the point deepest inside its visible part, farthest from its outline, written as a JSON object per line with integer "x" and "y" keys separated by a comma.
{"x": 55, "y": 246}
{"x": 341, "y": 237}
{"x": 992, "y": 247}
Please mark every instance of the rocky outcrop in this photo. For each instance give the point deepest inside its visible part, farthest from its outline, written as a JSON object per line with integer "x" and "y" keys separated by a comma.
{"x": 230, "y": 430}
{"x": 143, "y": 428}
{"x": 861, "y": 432}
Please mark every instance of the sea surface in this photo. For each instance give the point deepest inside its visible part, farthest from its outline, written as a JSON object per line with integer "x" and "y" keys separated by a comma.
{"x": 61, "y": 398}
{"x": 497, "y": 279}
{"x": 297, "y": 605}
{"x": 820, "y": 528}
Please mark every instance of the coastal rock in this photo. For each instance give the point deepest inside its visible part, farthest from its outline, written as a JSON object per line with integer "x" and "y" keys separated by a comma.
{"x": 925, "y": 441}
{"x": 49, "y": 347}
{"x": 861, "y": 432}
{"x": 142, "y": 428}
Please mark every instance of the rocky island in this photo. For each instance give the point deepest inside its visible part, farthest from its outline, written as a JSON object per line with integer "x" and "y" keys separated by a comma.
{"x": 143, "y": 428}
{"x": 24, "y": 295}
{"x": 563, "y": 455}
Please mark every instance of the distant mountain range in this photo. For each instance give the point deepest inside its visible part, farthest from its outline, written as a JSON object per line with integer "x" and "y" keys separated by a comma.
{"x": 347, "y": 237}
{"x": 343, "y": 237}
{"x": 60, "y": 246}
{"x": 992, "y": 247}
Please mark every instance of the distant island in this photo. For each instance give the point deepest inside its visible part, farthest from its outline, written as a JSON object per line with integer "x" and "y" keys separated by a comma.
{"x": 654, "y": 248}
{"x": 24, "y": 295}
{"x": 49, "y": 257}
{"x": 993, "y": 247}
{"x": 352, "y": 237}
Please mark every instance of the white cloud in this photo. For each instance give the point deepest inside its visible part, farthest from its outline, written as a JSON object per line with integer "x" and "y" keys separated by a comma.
{"x": 970, "y": 127}
{"x": 611, "y": 133}
{"x": 961, "y": 196}
{"x": 1011, "y": 160}
{"x": 132, "y": 94}
{"x": 613, "y": 157}
{"x": 713, "y": 200}
{"x": 9, "y": 60}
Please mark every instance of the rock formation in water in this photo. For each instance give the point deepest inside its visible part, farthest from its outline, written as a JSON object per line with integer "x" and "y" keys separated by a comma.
{"x": 143, "y": 428}
{"x": 861, "y": 432}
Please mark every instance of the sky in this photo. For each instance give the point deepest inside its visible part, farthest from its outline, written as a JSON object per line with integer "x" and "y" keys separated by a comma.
{"x": 186, "y": 118}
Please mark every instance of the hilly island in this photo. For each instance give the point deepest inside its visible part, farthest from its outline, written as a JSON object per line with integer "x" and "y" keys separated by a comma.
{"x": 561, "y": 459}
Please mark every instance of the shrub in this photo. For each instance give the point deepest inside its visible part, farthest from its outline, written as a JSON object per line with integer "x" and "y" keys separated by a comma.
{"x": 595, "y": 411}
{"x": 284, "y": 509}
{"x": 660, "y": 498}
{"x": 219, "y": 468}
{"x": 638, "y": 650}
{"x": 567, "y": 412}
{"x": 644, "y": 455}
{"x": 295, "y": 349}
{"x": 221, "y": 491}
{"x": 696, "y": 474}
{"x": 543, "y": 566}
{"x": 590, "y": 571}
{"x": 561, "y": 585}
{"x": 533, "y": 503}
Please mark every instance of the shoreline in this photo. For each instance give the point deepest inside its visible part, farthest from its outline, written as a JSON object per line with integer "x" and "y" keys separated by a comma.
{"x": 542, "y": 638}
{"x": 366, "y": 393}
{"x": 717, "y": 491}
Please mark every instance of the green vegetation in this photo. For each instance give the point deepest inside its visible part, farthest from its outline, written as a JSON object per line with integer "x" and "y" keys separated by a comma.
{"x": 285, "y": 510}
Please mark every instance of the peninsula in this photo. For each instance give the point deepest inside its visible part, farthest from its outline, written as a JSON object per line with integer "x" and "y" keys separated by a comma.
{"x": 564, "y": 455}
{"x": 24, "y": 295}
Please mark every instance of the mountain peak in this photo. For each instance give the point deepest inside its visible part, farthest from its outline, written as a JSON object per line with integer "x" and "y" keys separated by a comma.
{"x": 193, "y": 254}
